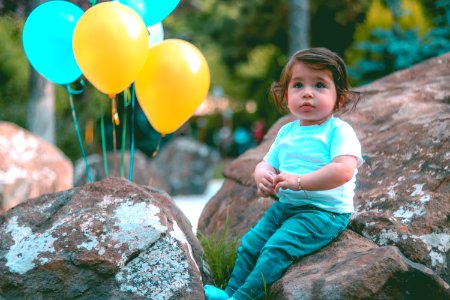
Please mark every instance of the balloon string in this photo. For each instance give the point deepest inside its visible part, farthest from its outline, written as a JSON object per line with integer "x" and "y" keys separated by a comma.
{"x": 77, "y": 129}
{"x": 130, "y": 176}
{"x": 126, "y": 97}
{"x": 157, "y": 146}
{"x": 76, "y": 92}
{"x": 115, "y": 114}
{"x": 105, "y": 159}
{"x": 115, "y": 122}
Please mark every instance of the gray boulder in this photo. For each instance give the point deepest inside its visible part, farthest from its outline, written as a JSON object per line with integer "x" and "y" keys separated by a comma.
{"x": 29, "y": 166}
{"x": 359, "y": 270}
{"x": 107, "y": 240}
{"x": 185, "y": 165}
{"x": 142, "y": 172}
{"x": 182, "y": 167}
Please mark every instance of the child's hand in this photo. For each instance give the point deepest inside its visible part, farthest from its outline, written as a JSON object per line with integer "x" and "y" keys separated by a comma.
{"x": 285, "y": 181}
{"x": 264, "y": 178}
{"x": 265, "y": 184}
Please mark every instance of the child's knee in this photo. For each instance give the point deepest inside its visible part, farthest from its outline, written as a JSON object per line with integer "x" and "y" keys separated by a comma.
{"x": 279, "y": 254}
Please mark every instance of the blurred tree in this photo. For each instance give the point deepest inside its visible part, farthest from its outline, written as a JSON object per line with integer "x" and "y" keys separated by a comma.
{"x": 41, "y": 107}
{"x": 437, "y": 40}
{"x": 41, "y": 102}
{"x": 333, "y": 23}
{"x": 14, "y": 72}
{"x": 19, "y": 8}
{"x": 247, "y": 43}
{"x": 298, "y": 25}
{"x": 395, "y": 35}
{"x": 15, "y": 75}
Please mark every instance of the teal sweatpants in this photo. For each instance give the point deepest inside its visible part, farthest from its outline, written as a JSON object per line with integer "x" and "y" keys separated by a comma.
{"x": 284, "y": 234}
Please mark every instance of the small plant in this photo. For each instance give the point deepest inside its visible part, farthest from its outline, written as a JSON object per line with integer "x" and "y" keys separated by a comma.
{"x": 267, "y": 295}
{"x": 220, "y": 254}
{"x": 266, "y": 288}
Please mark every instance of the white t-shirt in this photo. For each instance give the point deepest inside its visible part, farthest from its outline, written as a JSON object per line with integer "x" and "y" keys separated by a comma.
{"x": 304, "y": 149}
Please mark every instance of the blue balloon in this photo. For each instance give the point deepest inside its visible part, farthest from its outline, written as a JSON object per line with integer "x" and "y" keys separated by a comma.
{"x": 151, "y": 11}
{"x": 47, "y": 40}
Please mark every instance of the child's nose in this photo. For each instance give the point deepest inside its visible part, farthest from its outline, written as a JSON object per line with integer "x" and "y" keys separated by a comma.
{"x": 307, "y": 92}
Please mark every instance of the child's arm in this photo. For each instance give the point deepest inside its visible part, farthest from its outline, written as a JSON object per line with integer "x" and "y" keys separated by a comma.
{"x": 336, "y": 173}
{"x": 264, "y": 177}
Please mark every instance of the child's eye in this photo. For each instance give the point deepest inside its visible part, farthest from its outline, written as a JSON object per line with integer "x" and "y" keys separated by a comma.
{"x": 320, "y": 85}
{"x": 298, "y": 85}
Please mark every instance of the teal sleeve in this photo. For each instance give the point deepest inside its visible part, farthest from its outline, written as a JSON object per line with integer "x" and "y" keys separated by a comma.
{"x": 272, "y": 155}
{"x": 345, "y": 142}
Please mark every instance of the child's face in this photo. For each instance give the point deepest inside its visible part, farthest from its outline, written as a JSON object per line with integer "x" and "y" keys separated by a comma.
{"x": 311, "y": 94}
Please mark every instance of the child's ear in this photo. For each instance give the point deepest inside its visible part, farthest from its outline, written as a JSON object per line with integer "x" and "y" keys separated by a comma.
{"x": 340, "y": 103}
{"x": 286, "y": 97}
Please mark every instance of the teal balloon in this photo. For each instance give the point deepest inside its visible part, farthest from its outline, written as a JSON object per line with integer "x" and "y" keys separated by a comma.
{"x": 47, "y": 41}
{"x": 151, "y": 11}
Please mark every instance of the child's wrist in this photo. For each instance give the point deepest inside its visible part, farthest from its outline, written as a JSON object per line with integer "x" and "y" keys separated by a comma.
{"x": 299, "y": 183}
{"x": 300, "y": 186}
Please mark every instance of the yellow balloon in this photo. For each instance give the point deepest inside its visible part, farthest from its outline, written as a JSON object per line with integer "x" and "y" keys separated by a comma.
{"x": 172, "y": 84}
{"x": 110, "y": 44}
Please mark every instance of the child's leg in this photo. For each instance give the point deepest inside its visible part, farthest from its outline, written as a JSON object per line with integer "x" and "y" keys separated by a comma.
{"x": 252, "y": 243}
{"x": 302, "y": 234}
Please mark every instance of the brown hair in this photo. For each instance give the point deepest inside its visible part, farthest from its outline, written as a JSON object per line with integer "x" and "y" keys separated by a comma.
{"x": 321, "y": 59}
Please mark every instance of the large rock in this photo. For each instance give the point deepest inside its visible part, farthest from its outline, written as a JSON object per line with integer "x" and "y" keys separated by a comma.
{"x": 359, "y": 270}
{"x": 143, "y": 174}
{"x": 29, "y": 167}
{"x": 403, "y": 192}
{"x": 403, "y": 195}
{"x": 107, "y": 240}
{"x": 185, "y": 165}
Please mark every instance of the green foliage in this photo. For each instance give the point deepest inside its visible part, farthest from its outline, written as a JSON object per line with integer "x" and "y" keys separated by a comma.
{"x": 14, "y": 72}
{"x": 244, "y": 43}
{"x": 437, "y": 40}
{"x": 89, "y": 107}
{"x": 246, "y": 46}
{"x": 396, "y": 37}
{"x": 14, "y": 92}
{"x": 220, "y": 254}
{"x": 257, "y": 74}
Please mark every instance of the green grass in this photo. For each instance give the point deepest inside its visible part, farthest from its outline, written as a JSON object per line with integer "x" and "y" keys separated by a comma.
{"x": 220, "y": 254}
